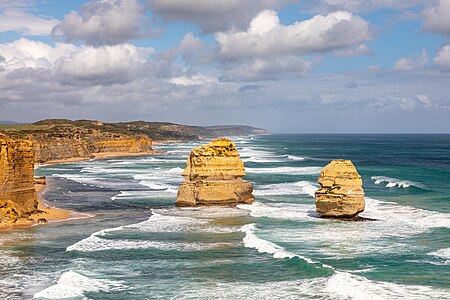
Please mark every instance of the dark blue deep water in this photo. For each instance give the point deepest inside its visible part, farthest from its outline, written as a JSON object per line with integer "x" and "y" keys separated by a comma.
{"x": 134, "y": 244}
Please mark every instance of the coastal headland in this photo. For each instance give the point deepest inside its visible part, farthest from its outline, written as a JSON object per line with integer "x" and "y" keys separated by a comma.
{"x": 62, "y": 141}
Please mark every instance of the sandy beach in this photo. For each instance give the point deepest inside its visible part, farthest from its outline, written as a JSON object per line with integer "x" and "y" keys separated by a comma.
{"x": 49, "y": 214}
{"x": 46, "y": 214}
{"x": 101, "y": 155}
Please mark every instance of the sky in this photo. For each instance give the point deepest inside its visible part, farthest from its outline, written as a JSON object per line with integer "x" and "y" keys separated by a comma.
{"x": 323, "y": 66}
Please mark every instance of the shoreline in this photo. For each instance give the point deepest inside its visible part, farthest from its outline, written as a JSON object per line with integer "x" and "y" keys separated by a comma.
{"x": 104, "y": 155}
{"x": 45, "y": 212}
{"x": 95, "y": 156}
{"x": 50, "y": 214}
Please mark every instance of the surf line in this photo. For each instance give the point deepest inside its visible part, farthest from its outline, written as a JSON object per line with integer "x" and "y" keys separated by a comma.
{"x": 252, "y": 241}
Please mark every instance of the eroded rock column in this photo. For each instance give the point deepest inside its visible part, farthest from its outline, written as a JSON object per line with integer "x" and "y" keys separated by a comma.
{"x": 214, "y": 176}
{"x": 341, "y": 194}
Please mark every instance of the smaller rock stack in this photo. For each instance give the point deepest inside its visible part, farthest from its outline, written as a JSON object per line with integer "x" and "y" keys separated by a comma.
{"x": 341, "y": 195}
{"x": 213, "y": 176}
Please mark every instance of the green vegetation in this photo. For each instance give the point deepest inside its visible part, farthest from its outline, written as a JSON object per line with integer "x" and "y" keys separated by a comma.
{"x": 154, "y": 130}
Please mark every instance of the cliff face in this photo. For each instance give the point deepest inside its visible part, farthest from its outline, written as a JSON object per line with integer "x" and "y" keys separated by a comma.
{"x": 63, "y": 139}
{"x": 17, "y": 194}
{"x": 213, "y": 176}
{"x": 341, "y": 194}
{"x": 137, "y": 145}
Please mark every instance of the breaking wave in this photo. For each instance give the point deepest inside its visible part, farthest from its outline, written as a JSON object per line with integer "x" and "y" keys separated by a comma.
{"x": 339, "y": 286}
{"x": 252, "y": 241}
{"x": 294, "y": 157}
{"x": 442, "y": 254}
{"x": 286, "y": 170}
{"x": 288, "y": 188}
{"x": 104, "y": 240}
{"x": 299, "y": 212}
{"x": 394, "y": 182}
{"x": 73, "y": 285}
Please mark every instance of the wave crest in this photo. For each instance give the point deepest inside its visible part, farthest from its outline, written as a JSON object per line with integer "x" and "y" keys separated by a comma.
{"x": 73, "y": 285}
{"x": 394, "y": 182}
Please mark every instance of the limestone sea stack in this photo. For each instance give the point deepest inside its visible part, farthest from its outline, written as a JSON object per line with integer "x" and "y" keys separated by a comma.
{"x": 214, "y": 176}
{"x": 341, "y": 194}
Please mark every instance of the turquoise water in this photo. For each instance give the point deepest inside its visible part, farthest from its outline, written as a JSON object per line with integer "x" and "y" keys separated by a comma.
{"x": 134, "y": 244}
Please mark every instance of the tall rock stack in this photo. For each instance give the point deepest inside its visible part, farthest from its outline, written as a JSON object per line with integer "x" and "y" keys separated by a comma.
{"x": 341, "y": 194}
{"x": 214, "y": 176}
{"x": 17, "y": 194}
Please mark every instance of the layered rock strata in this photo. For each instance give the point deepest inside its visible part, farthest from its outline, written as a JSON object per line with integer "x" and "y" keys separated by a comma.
{"x": 17, "y": 194}
{"x": 341, "y": 194}
{"x": 214, "y": 176}
{"x": 60, "y": 141}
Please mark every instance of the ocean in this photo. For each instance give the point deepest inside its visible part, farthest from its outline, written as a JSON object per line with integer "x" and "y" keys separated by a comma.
{"x": 135, "y": 244}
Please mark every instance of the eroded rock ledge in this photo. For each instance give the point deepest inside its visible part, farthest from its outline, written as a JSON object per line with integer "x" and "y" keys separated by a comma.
{"x": 341, "y": 194}
{"x": 214, "y": 176}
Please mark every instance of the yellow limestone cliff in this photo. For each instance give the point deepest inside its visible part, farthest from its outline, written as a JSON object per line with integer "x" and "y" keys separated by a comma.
{"x": 68, "y": 145}
{"x": 341, "y": 194}
{"x": 213, "y": 176}
{"x": 17, "y": 193}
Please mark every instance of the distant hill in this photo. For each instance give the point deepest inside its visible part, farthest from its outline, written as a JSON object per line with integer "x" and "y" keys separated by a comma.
{"x": 154, "y": 130}
{"x": 8, "y": 122}
{"x": 236, "y": 130}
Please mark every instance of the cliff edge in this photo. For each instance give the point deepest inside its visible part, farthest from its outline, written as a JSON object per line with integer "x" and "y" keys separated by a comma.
{"x": 64, "y": 139}
{"x": 18, "y": 198}
{"x": 214, "y": 176}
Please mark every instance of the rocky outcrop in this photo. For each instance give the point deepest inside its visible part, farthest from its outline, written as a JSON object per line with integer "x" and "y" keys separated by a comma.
{"x": 341, "y": 194}
{"x": 214, "y": 176}
{"x": 17, "y": 194}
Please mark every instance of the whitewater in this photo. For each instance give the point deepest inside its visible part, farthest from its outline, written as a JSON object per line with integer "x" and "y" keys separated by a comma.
{"x": 136, "y": 244}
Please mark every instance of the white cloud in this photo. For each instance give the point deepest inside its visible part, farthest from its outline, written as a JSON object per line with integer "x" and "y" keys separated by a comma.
{"x": 196, "y": 79}
{"x": 193, "y": 50}
{"x": 105, "y": 64}
{"x": 18, "y": 18}
{"x": 25, "y": 53}
{"x": 442, "y": 58}
{"x": 361, "y": 5}
{"x": 212, "y": 15}
{"x": 261, "y": 69}
{"x": 412, "y": 63}
{"x": 425, "y": 100}
{"x": 437, "y": 18}
{"x": 69, "y": 63}
{"x": 267, "y": 37}
{"x": 353, "y": 51}
{"x": 104, "y": 22}
{"x": 406, "y": 104}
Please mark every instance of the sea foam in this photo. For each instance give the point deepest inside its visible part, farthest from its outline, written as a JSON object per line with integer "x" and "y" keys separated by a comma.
{"x": 299, "y": 212}
{"x": 106, "y": 240}
{"x": 252, "y": 241}
{"x": 338, "y": 240}
{"x": 442, "y": 254}
{"x": 295, "y": 157}
{"x": 288, "y": 188}
{"x": 72, "y": 284}
{"x": 344, "y": 285}
{"x": 286, "y": 170}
